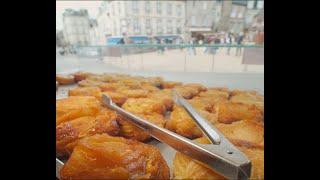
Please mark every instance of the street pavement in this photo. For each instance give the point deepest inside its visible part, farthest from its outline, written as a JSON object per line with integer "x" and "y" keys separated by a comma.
{"x": 218, "y": 70}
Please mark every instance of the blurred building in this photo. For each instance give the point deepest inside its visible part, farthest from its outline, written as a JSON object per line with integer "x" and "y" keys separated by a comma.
{"x": 93, "y": 32}
{"x": 150, "y": 18}
{"x": 76, "y": 27}
{"x": 60, "y": 42}
{"x": 233, "y": 16}
{"x": 255, "y": 15}
{"x": 202, "y": 17}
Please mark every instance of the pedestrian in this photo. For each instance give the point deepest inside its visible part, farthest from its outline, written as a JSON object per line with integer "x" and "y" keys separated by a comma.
{"x": 240, "y": 38}
{"x": 229, "y": 42}
{"x": 216, "y": 41}
{"x": 158, "y": 45}
{"x": 162, "y": 48}
{"x": 191, "y": 49}
{"x": 207, "y": 42}
{"x": 178, "y": 43}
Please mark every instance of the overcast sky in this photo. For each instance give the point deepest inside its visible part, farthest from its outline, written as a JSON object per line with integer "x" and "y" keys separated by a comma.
{"x": 91, "y": 6}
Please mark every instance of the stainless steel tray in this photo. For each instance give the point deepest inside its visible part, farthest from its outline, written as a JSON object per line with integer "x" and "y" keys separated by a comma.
{"x": 167, "y": 152}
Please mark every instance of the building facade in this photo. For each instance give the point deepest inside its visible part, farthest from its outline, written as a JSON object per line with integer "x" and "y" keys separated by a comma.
{"x": 147, "y": 18}
{"x": 60, "y": 42}
{"x": 93, "y": 32}
{"x": 76, "y": 27}
{"x": 233, "y": 16}
{"x": 255, "y": 14}
{"x": 202, "y": 17}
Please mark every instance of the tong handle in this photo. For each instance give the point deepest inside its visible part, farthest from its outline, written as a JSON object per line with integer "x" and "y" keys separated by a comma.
{"x": 213, "y": 155}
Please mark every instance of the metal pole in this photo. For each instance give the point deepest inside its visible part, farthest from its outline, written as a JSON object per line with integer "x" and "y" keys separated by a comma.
{"x": 142, "y": 59}
{"x": 128, "y": 61}
{"x": 185, "y": 61}
{"x": 212, "y": 66}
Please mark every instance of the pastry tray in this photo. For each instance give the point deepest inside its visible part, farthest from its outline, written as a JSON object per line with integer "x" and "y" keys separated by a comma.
{"x": 167, "y": 152}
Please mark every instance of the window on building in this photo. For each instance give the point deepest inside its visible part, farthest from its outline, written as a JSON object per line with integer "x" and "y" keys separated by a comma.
{"x": 204, "y": 5}
{"x": 240, "y": 14}
{"x": 233, "y": 12}
{"x": 159, "y": 26}
{"x": 113, "y": 10}
{"x": 148, "y": 26}
{"x": 193, "y": 20}
{"x": 135, "y": 7}
{"x": 123, "y": 22}
{"x": 169, "y": 26}
{"x": 169, "y": 8}
{"x": 114, "y": 28}
{"x": 159, "y": 7}
{"x": 136, "y": 26}
{"x": 119, "y": 8}
{"x": 147, "y": 7}
{"x": 260, "y": 4}
{"x": 148, "y": 23}
{"x": 250, "y": 4}
{"x": 179, "y": 10}
{"x": 206, "y": 21}
{"x": 178, "y": 27}
{"x": 193, "y": 3}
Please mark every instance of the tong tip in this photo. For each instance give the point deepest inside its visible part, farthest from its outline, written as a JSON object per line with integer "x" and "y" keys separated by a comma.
{"x": 106, "y": 99}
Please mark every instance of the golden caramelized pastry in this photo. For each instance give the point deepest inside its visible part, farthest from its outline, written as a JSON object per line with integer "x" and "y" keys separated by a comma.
{"x": 249, "y": 98}
{"x": 110, "y": 86}
{"x": 164, "y": 96}
{"x": 181, "y": 123}
{"x": 89, "y": 83}
{"x": 76, "y": 106}
{"x": 199, "y": 104}
{"x": 185, "y": 167}
{"x": 144, "y": 106}
{"x": 256, "y": 157}
{"x": 198, "y": 86}
{"x": 107, "y": 157}
{"x": 187, "y": 92}
{"x": 243, "y": 92}
{"x": 211, "y": 117}
{"x": 244, "y": 133}
{"x": 116, "y": 97}
{"x": 156, "y": 81}
{"x": 101, "y": 78}
{"x": 131, "y": 131}
{"x": 131, "y": 83}
{"x": 68, "y": 133}
{"x": 170, "y": 84}
{"x": 229, "y": 112}
{"x": 134, "y": 93}
{"x": 85, "y": 91}
{"x": 215, "y": 95}
{"x": 79, "y": 76}
{"x": 149, "y": 87}
{"x": 65, "y": 79}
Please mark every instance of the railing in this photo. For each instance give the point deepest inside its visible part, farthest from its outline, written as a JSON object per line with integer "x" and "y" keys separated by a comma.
{"x": 224, "y": 58}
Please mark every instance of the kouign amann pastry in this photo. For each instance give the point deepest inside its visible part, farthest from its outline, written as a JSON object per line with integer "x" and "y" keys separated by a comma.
{"x": 73, "y": 107}
{"x": 70, "y": 132}
{"x": 106, "y": 157}
{"x": 65, "y": 79}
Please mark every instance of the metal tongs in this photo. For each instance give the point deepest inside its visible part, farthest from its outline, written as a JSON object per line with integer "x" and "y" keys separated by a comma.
{"x": 221, "y": 155}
